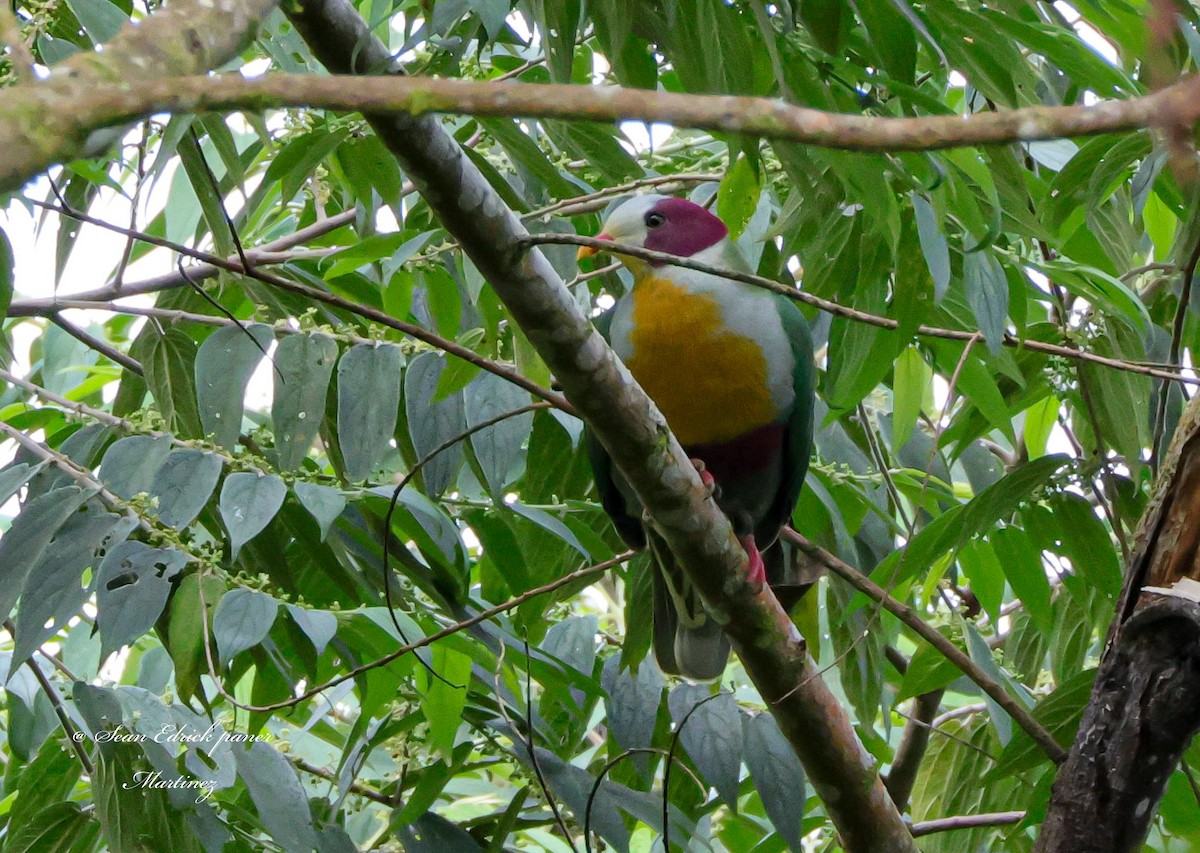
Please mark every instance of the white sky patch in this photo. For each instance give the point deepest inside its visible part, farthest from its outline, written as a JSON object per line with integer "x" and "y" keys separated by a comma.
{"x": 643, "y": 136}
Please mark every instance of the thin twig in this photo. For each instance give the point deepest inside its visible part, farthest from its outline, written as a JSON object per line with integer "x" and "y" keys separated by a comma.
{"x": 91, "y": 342}
{"x": 947, "y": 824}
{"x": 373, "y": 314}
{"x": 529, "y": 747}
{"x": 482, "y": 616}
{"x": 909, "y": 617}
{"x": 839, "y": 310}
{"x": 404, "y": 481}
{"x": 74, "y": 735}
{"x": 1177, "y": 324}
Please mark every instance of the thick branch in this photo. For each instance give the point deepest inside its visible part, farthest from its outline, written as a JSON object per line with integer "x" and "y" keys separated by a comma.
{"x": 41, "y": 124}
{"x": 1145, "y": 705}
{"x": 79, "y": 109}
{"x": 632, "y": 429}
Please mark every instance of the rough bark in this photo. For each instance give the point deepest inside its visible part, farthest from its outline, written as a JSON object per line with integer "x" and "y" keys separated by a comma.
{"x": 45, "y": 121}
{"x": 632, "y": 429}
{"x": 118, "y": 94}
{"x": 1145, "y": 705}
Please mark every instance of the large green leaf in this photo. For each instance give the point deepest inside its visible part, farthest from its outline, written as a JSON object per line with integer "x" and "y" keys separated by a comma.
{"x": 223, "y": 367}
{"x": 368, "y": 405}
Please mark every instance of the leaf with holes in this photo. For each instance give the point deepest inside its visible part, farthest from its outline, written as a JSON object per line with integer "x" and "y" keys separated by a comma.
{"x": 53, "y": 592}
{"x": 132, "y": 586}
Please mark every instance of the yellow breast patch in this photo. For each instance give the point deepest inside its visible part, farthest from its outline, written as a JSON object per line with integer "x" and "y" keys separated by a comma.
{"x": 710, "y": 384}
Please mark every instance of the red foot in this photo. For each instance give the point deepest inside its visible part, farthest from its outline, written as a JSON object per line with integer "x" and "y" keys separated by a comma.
{"x": 706, "y": 479}
{"x": 756, "y": 572}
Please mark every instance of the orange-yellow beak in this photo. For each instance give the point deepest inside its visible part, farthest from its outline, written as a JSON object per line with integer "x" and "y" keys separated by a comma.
{"x": 588, "y": 251}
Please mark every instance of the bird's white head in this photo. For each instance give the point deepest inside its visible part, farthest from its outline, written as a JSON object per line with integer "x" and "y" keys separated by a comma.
{"x": 662, "y": 223}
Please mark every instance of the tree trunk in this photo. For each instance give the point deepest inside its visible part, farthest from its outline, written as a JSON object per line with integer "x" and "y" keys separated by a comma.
{"x": 1145, "y": 705}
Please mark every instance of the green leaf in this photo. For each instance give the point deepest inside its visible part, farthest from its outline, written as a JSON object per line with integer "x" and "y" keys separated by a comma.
{"x": 824, "y": 19}
{"x": 560, "y": 22}
{"x": 185, "y": 633}
{"x": 712, "y": 736}
{"x": 443, "y": 703}
{"x": 913, "y": 380}
{"x": 248, "y": 503}
{"x": 23, "y": 544}
{"x": 633, "y": 701}
{"x": 369, "y": 166}
{"x": 1088, "y": 543}
{"x": 394, "y": 249}
{"x": 323, "y": 503}
{"x": 738, "y": 195}
{"x": 304, "y": 366}
{"x": 955, "y": 526}
{"x": 985, "y": 574}
{"x": 100, "y": 19}
{"x": 1040, "y": 420}
{"x": 1059, "y": 713}
{"x": 987, "y": 293}
{"x": 933, "y": 245}
{"x": 319, "y": 626}
{"x": 278, "y": 796}
{"x": 183, "y": 484}
{"x": 928, "y": 670}
{"x": 58, "y": 828}
{"x": 431, "y": 424}
{"x": 1022, "y": 566}
{"x": 293, "y": 164}
{"x": 132, "y": 586}
{"x": 368, "y": 405}
{"x": 498, "y": 447}
{"x": 130, "y": 464}
{"x": 242, "y": 620}
{"x": 212, "y": 207}
{"x": 981, "y": 654}
{"x": 224, "y": 364}
{"x": 778, "y": 776}
{"x": 170, "y": 365}
{"x": 7, "y": 273}
{"x": 53, "y": 592}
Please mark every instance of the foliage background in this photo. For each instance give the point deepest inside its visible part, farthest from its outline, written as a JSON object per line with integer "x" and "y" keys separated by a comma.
{"x": 1014, "y": 478}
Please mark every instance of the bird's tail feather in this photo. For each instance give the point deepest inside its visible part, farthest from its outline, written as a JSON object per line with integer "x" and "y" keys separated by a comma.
{"x": 687, "y": 641}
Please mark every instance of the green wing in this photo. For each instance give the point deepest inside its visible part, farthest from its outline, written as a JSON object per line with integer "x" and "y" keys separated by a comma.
{"x": 798, "y": 446}
{"x": 629, "y": 526}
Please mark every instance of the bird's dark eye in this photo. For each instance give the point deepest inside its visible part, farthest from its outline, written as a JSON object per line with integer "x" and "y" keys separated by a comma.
{"x": 653, "y": 220}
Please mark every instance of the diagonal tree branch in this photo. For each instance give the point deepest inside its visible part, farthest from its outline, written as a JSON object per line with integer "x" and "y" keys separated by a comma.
{"x": 635, "y": 435}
